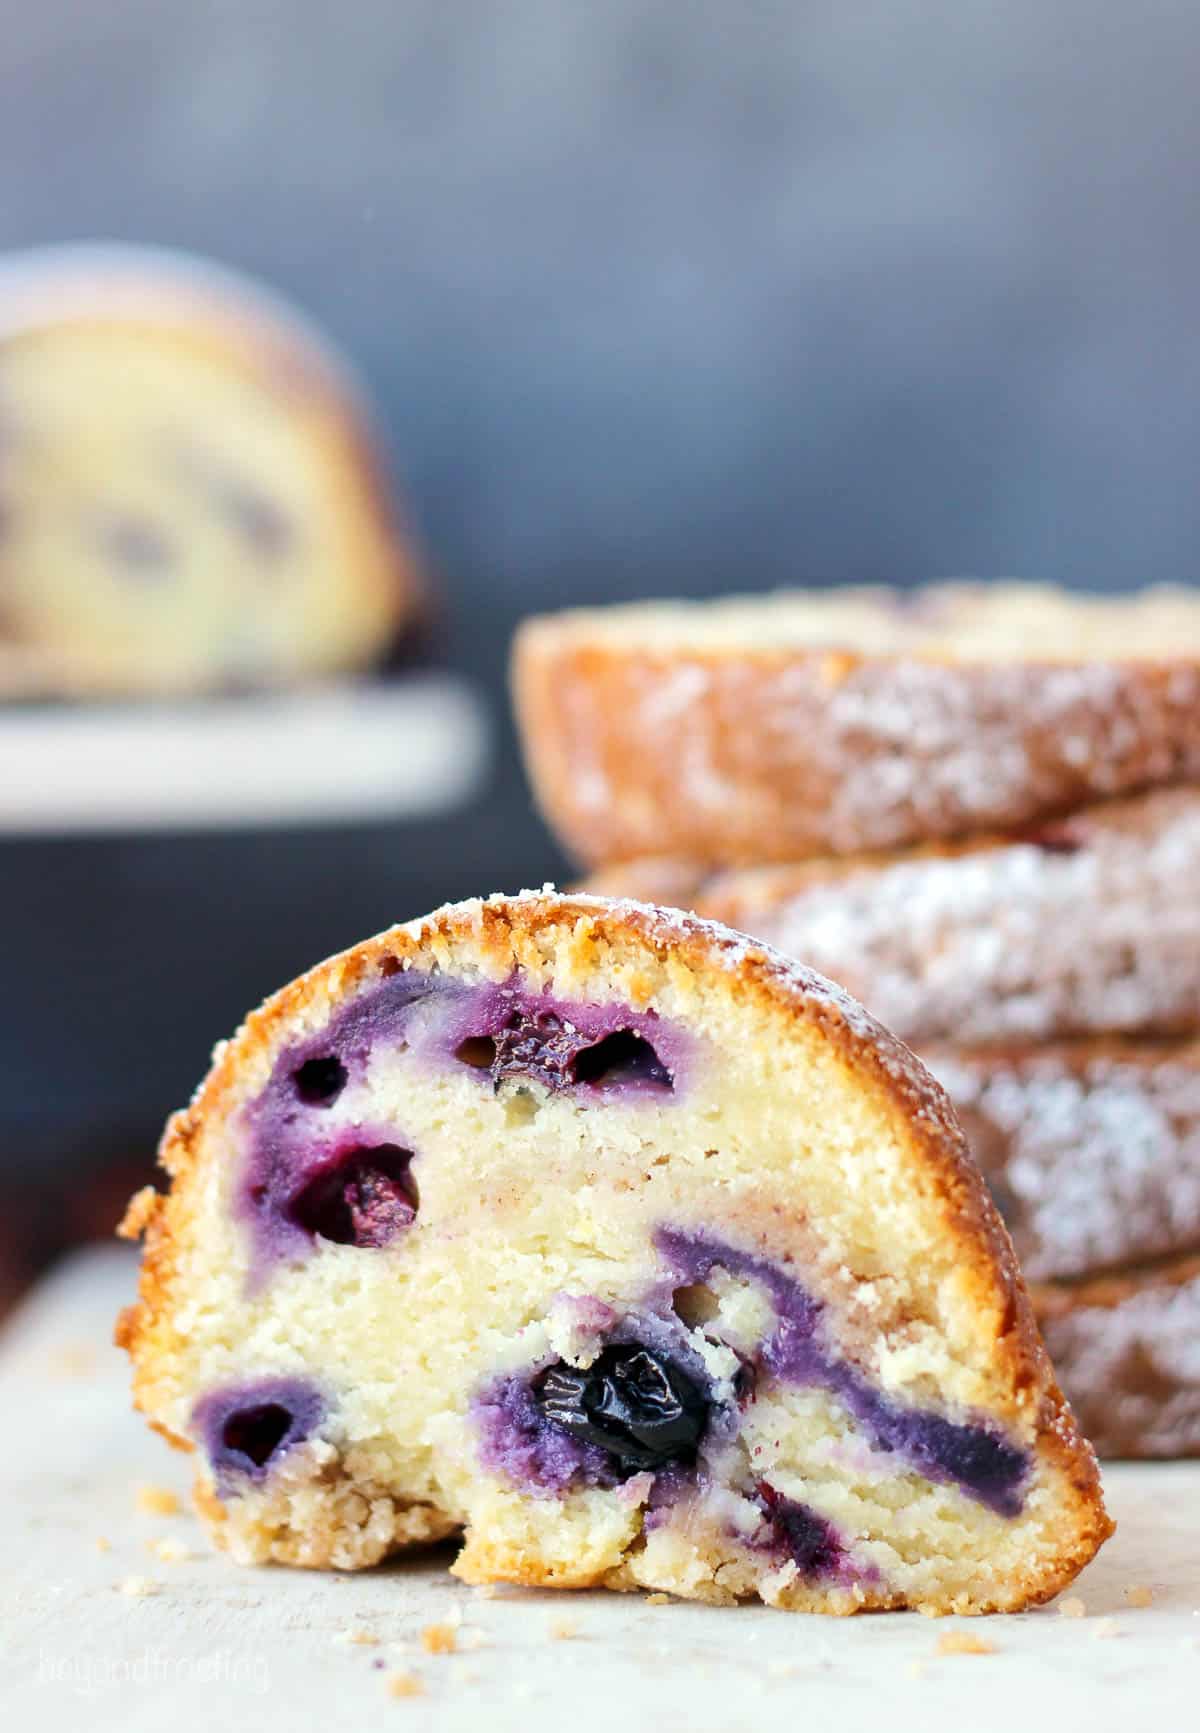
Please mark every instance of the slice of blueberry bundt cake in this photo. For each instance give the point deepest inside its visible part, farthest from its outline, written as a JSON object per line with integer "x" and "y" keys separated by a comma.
{"x": 1081, "y": 926}
{"x": 1128, "y": 1346}
{"x": 192, "y": 493}
{"x": 636, "y": 1253}
{"x": 771, "y": 728}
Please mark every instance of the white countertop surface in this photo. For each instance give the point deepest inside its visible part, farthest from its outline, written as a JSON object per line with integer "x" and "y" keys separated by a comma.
{"x": 216, "y": 1645}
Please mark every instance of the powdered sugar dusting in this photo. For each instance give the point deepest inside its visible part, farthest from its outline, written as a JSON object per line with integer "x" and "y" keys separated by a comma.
{"x": 1094, "y": 1153}
{"x": 783, "y": 741}
{"x": 1009, "y": 942}
{"x": 1132, "y": 1371}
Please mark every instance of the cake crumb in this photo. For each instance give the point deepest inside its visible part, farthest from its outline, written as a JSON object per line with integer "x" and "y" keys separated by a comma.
{"x": 487, "y": 1591}
{"x": 155, "y": 1500}
{"x": 960, "y": 1642}
{"x": 170, "y": 1549}
{"x": 405, "y": 1685}
{"x": 917, "y": 1669}
{"x": 1106, "y": 1628}
{"x": 562, "y": 1630}
{"x": 1139, "y": 1595}
{"x": 1072, "y": 1608}
{"x": 658, "y": 1599}
{"x": 103, "y": 1544}
{"x": 439, "y": 1639}
{"x": 359, "y": 1636}
{"x": 137, "y": 1588}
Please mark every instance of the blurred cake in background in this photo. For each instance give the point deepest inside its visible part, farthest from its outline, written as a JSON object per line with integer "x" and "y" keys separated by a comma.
{"x": 905, "y": 792}
{"x": 192, "y": 498}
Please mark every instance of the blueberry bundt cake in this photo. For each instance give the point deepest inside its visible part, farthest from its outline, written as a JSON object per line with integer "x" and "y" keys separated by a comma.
{"x": 633, "y": 1252}
{"x": 1128, "y": 1347}
{"x": 190, "y": 493}
{"x": 1091, "y": 1149}
{"x": 777, "y": 727}
{"x": 1081, "y": 926}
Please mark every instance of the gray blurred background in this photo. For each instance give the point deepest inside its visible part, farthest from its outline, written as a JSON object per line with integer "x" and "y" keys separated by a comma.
{"x": 656, "y": 297}
{"x": 679, "y": 294}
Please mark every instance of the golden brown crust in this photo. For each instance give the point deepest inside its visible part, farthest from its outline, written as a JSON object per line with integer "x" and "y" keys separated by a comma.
{"x": 234, "y": 321}
{"x": 742, "y": 753}
{"x": 504, "y": 931}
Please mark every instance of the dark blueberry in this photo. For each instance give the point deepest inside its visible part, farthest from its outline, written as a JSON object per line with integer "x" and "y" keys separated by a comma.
{"x": 622, "y": 1057}
{"x": 133, "y": 543}
{"x": 247, "y": 1427}
{"x": 799, "y": 1534}
{"x": 538, "y": 1045}
{"x": 542, "y": 1045}
{"x": 320, "y": 1081}
{"x": 477, "y": 1051}
{"x": 260, "y": 520}
{"x": 633, "y": 1402}
{"x": 364, "y": 1198}
{"x": 256, "y": 1433}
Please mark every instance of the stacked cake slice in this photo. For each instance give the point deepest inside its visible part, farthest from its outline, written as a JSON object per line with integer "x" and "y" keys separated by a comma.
{"x": 973, "y": 809}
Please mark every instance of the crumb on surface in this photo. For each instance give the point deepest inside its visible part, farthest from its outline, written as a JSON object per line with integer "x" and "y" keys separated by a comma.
{"x": 170, "y": 1549}
{"x": 359, "y": 1635}
{"x": 103, "y": 1544}
{"x": 960, "y": 1642}
{"x": 1072, "y": 1607}
{"x": 155, "y": 1500}
{"x": 658, "y": 1599}
{"x": 487, "y": 1591}
{"x": 137, "y": 1588}
{"x": 562, "y": 1630}
{"x": 1106, "y": 1628}
{"x": 439, "y": 1639}
{"x": 1139, "y": 1595}
{"x": 405, "y": 1685}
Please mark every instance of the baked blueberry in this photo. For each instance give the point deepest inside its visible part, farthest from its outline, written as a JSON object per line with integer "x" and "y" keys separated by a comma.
{"x": 365, "y": 1197}
{"x": 638, "y": 1405}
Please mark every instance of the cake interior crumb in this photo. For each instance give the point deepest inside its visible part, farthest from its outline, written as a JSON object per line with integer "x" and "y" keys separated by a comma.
{"x": 960, "y": 1642}
{"x": 439, "y": 1639}
{"x": 405, "y": 1685}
